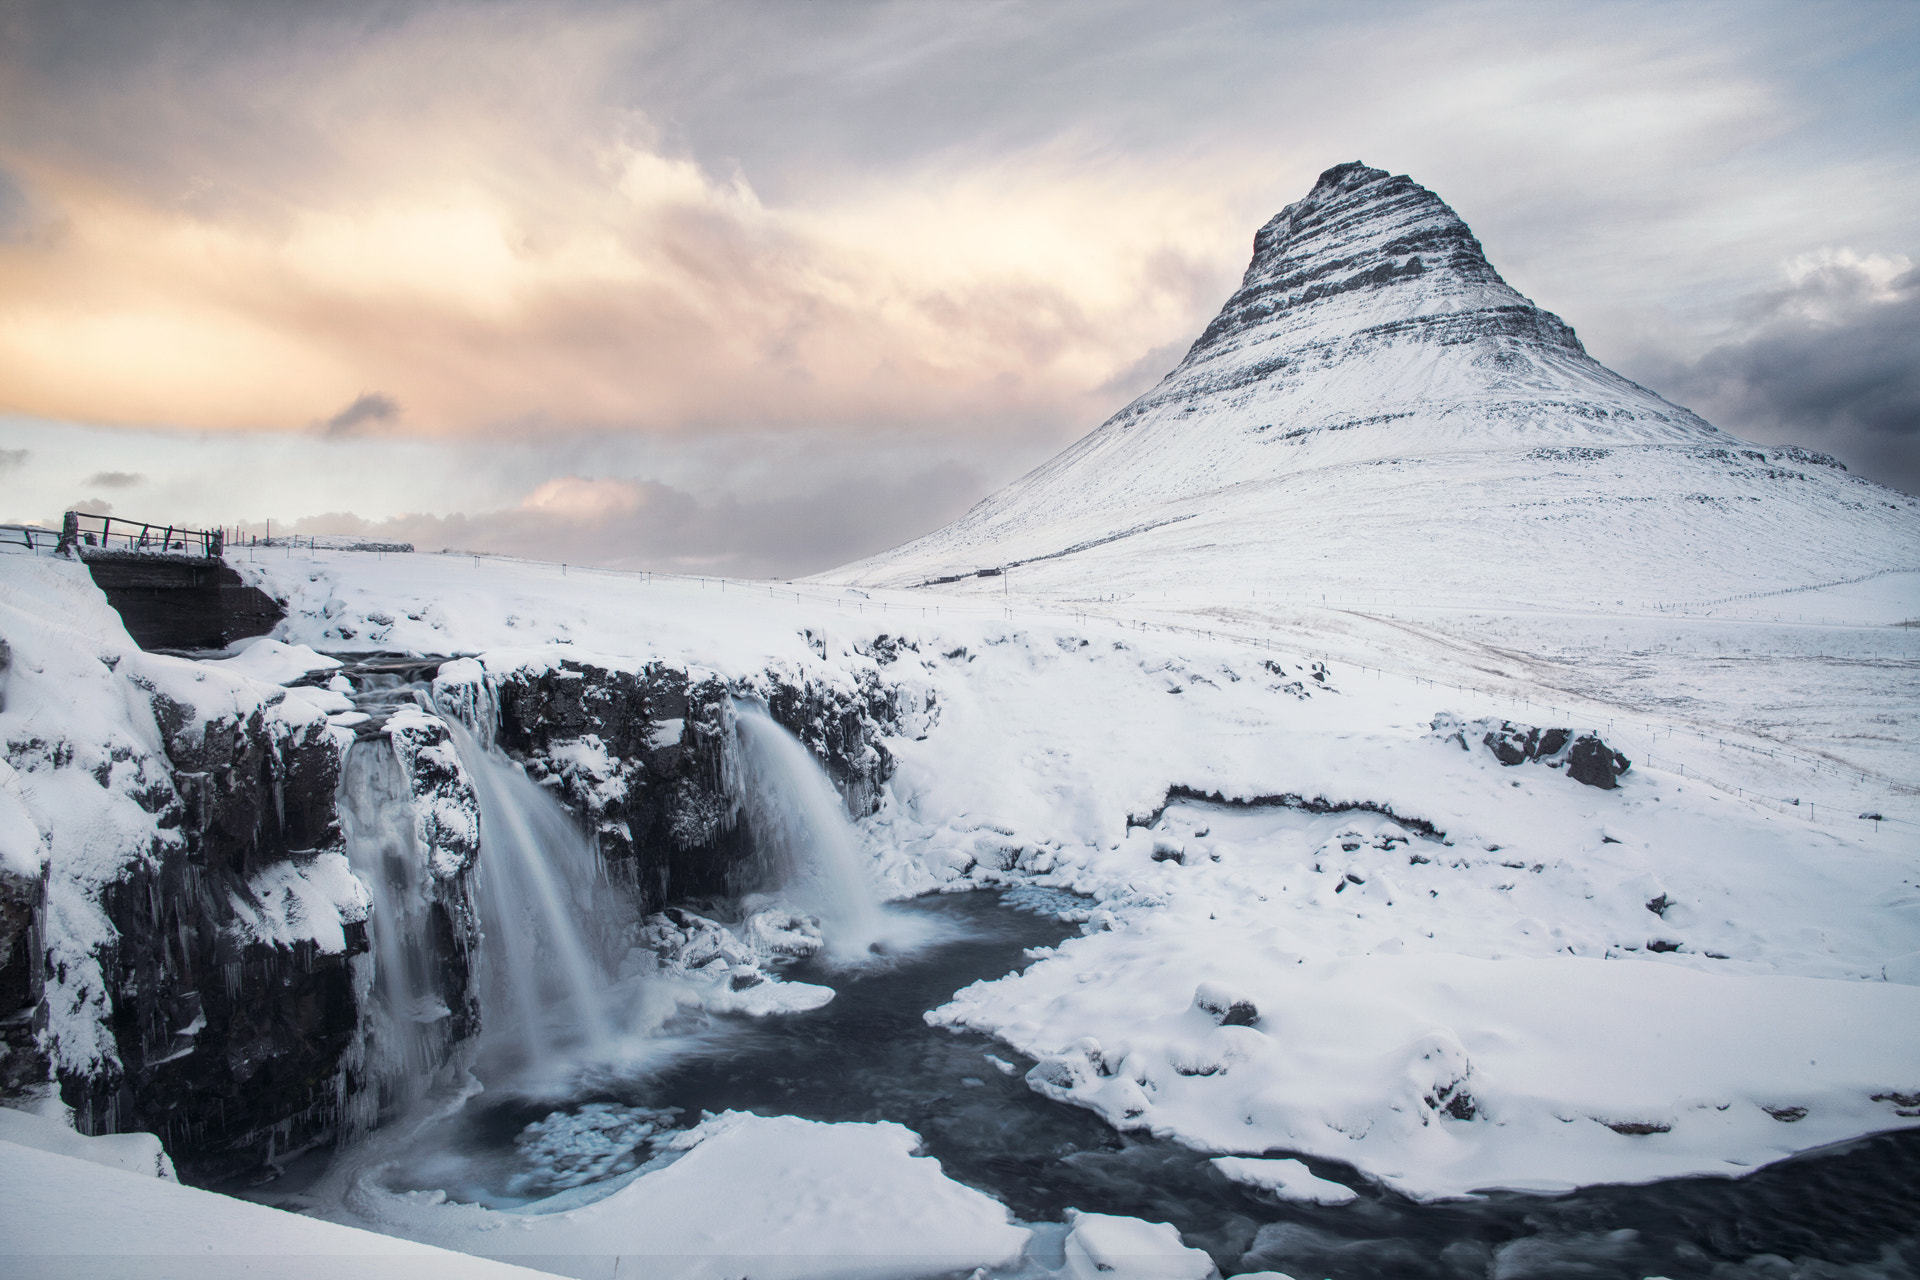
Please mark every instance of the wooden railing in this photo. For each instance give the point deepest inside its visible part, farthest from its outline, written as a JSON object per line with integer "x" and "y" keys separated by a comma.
{"x": 30, "y": 536}
{"x": 81, "y": 532}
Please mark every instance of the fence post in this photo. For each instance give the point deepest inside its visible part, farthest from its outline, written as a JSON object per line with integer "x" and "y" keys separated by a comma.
{"x": 69, "y": 533}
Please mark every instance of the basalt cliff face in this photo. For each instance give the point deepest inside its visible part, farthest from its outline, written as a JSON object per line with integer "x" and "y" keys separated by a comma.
{"x": 1376, "y": 407}
{"x": 187, "y": 923}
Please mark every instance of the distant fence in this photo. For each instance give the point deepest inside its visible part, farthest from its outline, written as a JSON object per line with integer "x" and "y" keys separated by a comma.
{"x": 31, "y": 536}
{"x": 83, "y": 532}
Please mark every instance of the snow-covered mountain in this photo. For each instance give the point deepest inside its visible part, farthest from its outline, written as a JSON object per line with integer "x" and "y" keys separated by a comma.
{"x": 1375, "y": 408}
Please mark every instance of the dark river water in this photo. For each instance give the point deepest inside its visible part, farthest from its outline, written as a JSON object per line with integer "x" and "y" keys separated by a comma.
{"x": 1845, "y": 1212}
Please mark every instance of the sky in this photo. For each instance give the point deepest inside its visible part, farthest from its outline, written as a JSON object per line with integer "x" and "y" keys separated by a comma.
{"x": 760, "y": 288}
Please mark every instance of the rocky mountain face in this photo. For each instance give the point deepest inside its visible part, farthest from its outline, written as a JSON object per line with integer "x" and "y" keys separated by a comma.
{"x": 1374, "y": 403}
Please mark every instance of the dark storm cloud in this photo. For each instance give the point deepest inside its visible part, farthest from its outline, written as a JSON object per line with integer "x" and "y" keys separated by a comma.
{"x": 369, "y": 409}
{"x": 113, "y": 480}
{"x": 1831, "y": 361}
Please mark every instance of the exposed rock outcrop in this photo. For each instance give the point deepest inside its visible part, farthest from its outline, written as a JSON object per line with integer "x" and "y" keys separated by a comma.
{"x": 1584, "y": 755}
{"x": 644, "y": 756}
{"x": 230, "y": 1010}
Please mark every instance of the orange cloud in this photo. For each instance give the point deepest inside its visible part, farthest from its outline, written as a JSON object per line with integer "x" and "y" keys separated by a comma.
{"x": 632, "y": 290}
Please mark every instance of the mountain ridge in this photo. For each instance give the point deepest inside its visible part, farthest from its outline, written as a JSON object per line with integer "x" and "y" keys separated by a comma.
{"x": 1369, "y": 330}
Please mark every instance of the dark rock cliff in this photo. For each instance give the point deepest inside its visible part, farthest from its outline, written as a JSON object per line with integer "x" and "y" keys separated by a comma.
{"x": 642, "y": 757}
{"x": 238, "y": 974}
{"x": 229, "y": 1042}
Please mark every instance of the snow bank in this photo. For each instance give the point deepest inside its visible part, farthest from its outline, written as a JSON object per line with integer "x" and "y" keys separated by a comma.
{"x": 778, "y": 1198}
{"x": 1440, "y": 1075}
{"x": 130, "y": 1152}
{"x": 70, "y": 1218}
{"x": 274, "y": 662}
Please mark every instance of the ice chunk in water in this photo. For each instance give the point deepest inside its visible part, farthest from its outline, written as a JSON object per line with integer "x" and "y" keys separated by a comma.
{"x": 599, "y": 1140}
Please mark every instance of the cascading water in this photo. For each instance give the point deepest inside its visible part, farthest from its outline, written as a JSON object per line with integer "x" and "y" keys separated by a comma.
{"x": 548, "y": 918}
{"x": 405, "y": 1030}
{"x": 546, "y": 921}
{"x": 802, "y": 835}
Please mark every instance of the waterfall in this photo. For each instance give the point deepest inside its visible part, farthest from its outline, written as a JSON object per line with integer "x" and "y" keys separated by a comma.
{"x": 802, "y": 835}
{"x": 546, "y": 914}
{"x": 405, "y": 1031}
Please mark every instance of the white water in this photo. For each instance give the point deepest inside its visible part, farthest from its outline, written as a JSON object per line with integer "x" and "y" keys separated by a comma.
{"x": 406, "y": 1032}
{"x": 545, "y": 912}
{"x": 801, "y": 832}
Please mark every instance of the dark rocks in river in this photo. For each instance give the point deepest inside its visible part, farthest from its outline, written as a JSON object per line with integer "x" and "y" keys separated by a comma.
{"x": 1227, "y": 1008}
{"x": 1585, "y": 756}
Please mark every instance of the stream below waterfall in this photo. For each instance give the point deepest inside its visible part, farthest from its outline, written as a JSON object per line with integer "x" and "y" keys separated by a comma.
{"x": 870, "y": 1055}
{"x": 542, "y": 1141}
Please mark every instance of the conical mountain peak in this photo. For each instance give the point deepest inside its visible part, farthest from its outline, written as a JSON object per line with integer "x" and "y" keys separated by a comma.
{"x": 1364, "y": 247}
{"x": 1374, "y": 401}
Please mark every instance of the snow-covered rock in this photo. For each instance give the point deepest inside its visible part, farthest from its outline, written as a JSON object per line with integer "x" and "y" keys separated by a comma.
{"x": 1286, "y": 1179}
{"x": 1102, "y": 1246}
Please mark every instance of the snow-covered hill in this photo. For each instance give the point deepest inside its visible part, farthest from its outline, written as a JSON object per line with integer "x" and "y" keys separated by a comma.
{"x": 1375, "y": 408}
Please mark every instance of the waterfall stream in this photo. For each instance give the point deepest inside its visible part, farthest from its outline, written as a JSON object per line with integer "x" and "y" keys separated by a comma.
{"x": 404, "y": 1027}
{"x": 803, "y": 838}
{"x": 548, "y": 916}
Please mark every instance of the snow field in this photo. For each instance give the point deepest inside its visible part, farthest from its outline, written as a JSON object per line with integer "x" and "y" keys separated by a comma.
{"x": 1046, "y": 741}
{"x": 1379, "y": 981}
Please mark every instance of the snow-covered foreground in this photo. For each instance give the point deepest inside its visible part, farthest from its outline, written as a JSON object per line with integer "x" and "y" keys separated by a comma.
{"x": 1636, "y": 983}
{"x": 1319, "y": 927}
{"x": 768, "y": 1196}
{"x": 84, "y": 1207}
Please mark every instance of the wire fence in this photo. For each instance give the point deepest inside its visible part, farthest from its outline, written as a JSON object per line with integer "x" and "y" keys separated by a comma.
{"x": 1638, "y": 732}
{"x": 1629, "y": 729}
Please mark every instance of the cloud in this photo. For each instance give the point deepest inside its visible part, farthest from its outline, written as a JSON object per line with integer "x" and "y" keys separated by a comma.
{"x": 368, "y": 409}
{"x": 11, "y": 458}
{"x": 1825, "y": 358}
{"x": 15, "y": 209}
{"x": 827, "y": 218}
{"x": 626, "y": 523}
{"x": 956, "y": 235}
{"x": 113, "y": 480}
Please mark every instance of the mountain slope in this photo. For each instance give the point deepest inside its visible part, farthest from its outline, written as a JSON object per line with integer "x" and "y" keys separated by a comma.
{"x": 1376, "y": 408}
